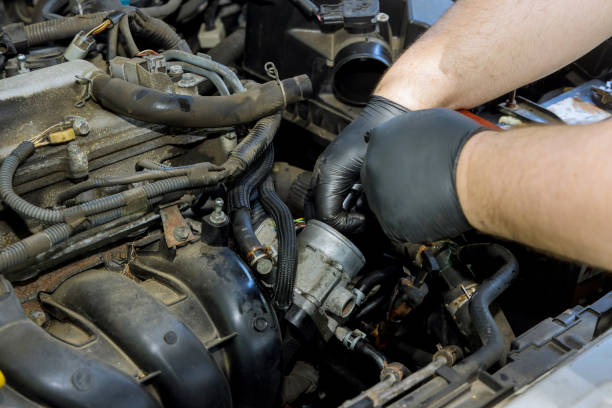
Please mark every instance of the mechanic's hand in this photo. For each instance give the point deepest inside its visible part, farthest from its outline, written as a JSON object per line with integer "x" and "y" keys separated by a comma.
{"x": 338, "y": 167}
{"x": 409, "y": 174}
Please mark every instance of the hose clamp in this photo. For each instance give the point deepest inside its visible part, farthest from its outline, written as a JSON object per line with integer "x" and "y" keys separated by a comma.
{"x": 272, "y": 72}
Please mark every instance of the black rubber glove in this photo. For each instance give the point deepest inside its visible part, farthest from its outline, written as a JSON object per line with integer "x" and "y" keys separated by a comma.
{"x": 409, "y": 174}
{"x": 338, "y": 167}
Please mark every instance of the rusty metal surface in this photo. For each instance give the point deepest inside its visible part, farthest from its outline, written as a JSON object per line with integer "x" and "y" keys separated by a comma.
{"x": 50, "y": 281}
{"x": 575, "y": 111}
{"x": 176, "y": 230}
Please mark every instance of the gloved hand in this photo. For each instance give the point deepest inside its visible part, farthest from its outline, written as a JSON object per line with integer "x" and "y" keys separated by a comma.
{"x": 338, "y": 167}
{"x": 409, "y": 174}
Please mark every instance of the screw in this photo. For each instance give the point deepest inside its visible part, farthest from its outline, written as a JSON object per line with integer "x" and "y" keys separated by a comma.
{"x": 181, "y": 233}
{"x": 80, "y": 126}
{"x": 21, "y": 62}
{"x": 218, "y": 216}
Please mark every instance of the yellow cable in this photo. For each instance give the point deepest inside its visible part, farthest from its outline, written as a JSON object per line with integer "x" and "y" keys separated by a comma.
{"x": 2, "y": 380}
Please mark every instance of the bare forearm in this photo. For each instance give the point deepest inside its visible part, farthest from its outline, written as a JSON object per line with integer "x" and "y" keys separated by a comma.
{"x": 547, "y": 187}
{"x": 481, "y": 49}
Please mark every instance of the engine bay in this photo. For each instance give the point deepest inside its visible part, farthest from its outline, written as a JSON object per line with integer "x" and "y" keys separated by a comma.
{"x": 159, "y": 246}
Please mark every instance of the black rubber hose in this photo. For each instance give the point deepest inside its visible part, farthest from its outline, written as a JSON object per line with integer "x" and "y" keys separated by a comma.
{"x": 124, "y": 27}
{"x": 152, "y": 106}
{"x": 111, "y": 41}
{"x": 210, "y": 15}
{"x": 158, "y": 32}
{"x": 369, "y": 351}
{"x": 62, "y": 28}
{"x": 230, "y": 49}
{"x": 307, "y": 7}
{"x": 287, "y": 244}
{"x": 493, "y": 347}
{"x": 240, "y": 206}
{"x": 369, "y": 281}
{"x": 242, "y": 226}
{"x": 45, "y": 9}
{"x": 164, "y": 10}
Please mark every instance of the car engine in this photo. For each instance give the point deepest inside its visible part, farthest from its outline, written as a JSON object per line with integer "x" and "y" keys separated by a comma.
{"x": 159, "y": 246}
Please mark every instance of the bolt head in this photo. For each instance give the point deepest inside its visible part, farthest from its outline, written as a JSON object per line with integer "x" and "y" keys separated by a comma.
{"x": 181, "y": 233}
{"x": 21, "y": 58}
{"x": 382, "y": 17}
{"x": 175, "y": 70}
{"x": 260, "y": 324}
{"x": 264, "y": 266}
{"x": 80, "y": 127}
{"x": 38, "y": 317}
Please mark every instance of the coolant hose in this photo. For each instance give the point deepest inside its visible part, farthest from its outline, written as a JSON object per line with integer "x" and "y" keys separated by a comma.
{"x": 493, "y": 347}
{"x": 287, "y": 244}
{"x": 230, "y": 48}
{"x": 176, "y": 110}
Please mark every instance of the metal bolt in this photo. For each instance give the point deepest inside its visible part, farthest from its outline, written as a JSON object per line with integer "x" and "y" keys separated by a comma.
{"x": 188, "y": 80}
{"x": 339, "y": 267}
{"x": 218, "y": 216}
{"x": 260, "y": 324}
{"x": 21, "y": 63}
{"x": 264, "y": 266}
{"x": 80, "y": 126}
{"x": 38, "y": 317}
{"x": 382, "y": 17}
{"x": 181, "y": 233}
{"x": 175, "y": 70}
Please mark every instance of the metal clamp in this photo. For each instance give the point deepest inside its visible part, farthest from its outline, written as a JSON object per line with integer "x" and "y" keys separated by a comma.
{"x": 352, "y": 338}
{"x": 272, "y": 72}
